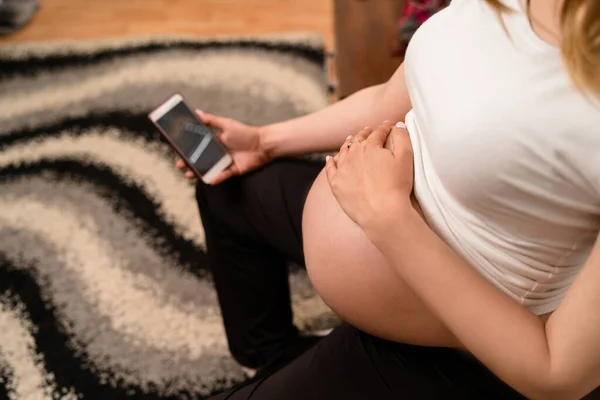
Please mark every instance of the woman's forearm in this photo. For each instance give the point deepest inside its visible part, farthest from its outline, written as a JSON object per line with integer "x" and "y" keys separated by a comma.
{"x": 507, "y": 338}
{"x": 326, "y": 130}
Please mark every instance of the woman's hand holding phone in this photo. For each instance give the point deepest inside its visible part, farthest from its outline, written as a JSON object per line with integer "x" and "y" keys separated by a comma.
{"x": 243, "y": 142}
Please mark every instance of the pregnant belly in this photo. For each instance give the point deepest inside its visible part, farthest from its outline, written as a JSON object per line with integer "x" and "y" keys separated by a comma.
{"x": 332, "y": 241}
{"x": 354, "y": 279}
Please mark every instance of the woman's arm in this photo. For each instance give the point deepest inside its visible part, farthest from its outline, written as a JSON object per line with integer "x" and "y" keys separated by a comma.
{"x": 325, "y": 130}
{"x": 559, "y": 360}
{"x": 556, "y": 360}
{"x": 251, "y": 147}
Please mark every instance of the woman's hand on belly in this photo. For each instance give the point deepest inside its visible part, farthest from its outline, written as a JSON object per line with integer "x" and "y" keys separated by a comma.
{"x": 370, "y": 181}
{"x": 354, "y": 279}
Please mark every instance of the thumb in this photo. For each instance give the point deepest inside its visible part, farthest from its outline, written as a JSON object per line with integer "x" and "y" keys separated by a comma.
{"x": 212, "y": 120}
{"x": 399, "y": 142}
{"x": 224, "y": 175}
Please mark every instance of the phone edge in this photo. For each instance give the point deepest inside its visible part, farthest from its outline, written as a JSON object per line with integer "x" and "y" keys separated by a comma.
{"x": 219, "y": 167}
{"x": 158, "y": 113}
{"x": 167, "y": 106}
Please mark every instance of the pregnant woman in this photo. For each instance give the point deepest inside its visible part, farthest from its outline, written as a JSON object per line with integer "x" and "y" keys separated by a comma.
{"x": 459, "y": 246}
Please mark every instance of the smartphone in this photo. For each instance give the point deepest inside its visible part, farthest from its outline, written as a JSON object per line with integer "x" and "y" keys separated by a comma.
{"x": 190, "y": 138}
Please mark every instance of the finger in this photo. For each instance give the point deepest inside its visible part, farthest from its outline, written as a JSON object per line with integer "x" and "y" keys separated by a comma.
{"x": 180, "y": 164}
{"x": 190, "y": 175}
{"x": 344, "y": 145}
{"x": 380, "y": 135}
{"x": 363, "y": 135}
{"x": 400, "y": 139}
{"x": 343, "y": 149}
{"x": 354, "y": 139}
{"x": 330, "y": 169}
{"x": 223, "y": 176}
{"x": 212, "y": 120}
{"x": 359, "y": 137}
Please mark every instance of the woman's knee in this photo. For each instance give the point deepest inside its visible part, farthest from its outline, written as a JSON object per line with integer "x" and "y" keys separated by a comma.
{"x": 243, "y": 194}
{"x": 239, "y": 200}
{"x": 219, "y": 205}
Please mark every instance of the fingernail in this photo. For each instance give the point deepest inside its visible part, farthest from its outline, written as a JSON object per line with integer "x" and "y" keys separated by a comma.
{"x": 327, "y": 158}
{"x": 349, "y": 136}
{"x": 401, "y": 125}
{"x": 367, "y": 127}
{"x": 199, "y": 111}
{"x": 386, "y": 121}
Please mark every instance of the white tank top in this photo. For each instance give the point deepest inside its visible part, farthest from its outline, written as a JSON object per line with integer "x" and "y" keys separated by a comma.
{"x": 507, "y": 151}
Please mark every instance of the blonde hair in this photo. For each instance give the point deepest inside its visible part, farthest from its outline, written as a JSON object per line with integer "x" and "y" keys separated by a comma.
{"x": 580, "y": 41}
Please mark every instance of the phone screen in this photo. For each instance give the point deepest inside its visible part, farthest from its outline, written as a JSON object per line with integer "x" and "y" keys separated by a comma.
{"x": 191, "y": 137}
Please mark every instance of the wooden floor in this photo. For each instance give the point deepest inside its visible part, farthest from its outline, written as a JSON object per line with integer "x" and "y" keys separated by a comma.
{"x": 93, "y": 19}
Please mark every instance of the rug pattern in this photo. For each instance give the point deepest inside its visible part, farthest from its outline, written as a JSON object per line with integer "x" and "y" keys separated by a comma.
{"x": 105, "y": 290}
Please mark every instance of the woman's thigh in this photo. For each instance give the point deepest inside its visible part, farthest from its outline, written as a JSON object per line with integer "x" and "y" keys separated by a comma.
{"x": 355, "y": 280}
{"x": 350, "y": 364}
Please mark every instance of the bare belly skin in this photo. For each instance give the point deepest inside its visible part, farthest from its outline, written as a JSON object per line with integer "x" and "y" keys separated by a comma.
{"x": 353, "y": 278}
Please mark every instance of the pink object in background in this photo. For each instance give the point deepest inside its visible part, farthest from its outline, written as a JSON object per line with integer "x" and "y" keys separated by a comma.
{"x": 414, "y": 14}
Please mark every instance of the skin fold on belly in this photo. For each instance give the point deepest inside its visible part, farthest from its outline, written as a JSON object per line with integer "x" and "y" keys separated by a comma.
{"x": 355, "y": 280}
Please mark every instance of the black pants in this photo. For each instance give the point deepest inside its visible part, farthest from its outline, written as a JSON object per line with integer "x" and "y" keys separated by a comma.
{"x": 253, "y": 227}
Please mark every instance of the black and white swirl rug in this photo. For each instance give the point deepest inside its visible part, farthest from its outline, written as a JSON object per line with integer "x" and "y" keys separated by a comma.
{"x": 104, "y": 287}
